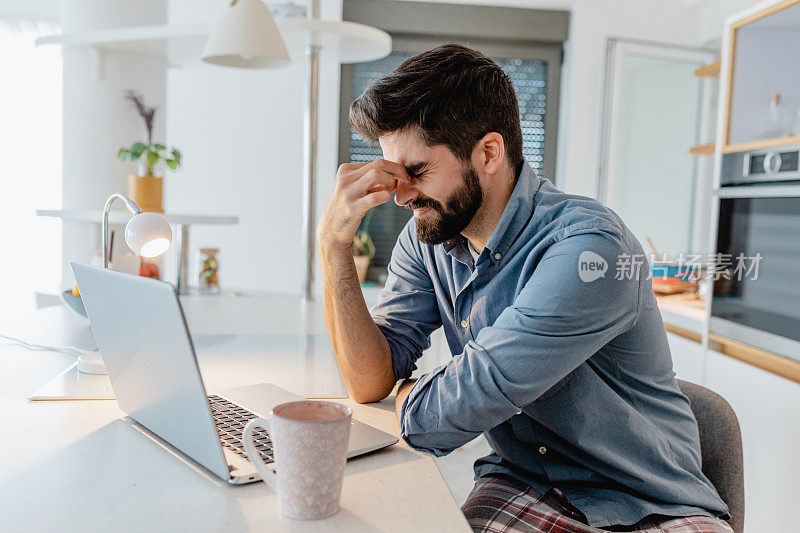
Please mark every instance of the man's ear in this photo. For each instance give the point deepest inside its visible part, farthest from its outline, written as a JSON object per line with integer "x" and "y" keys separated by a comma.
{"x": 489, "y": 153}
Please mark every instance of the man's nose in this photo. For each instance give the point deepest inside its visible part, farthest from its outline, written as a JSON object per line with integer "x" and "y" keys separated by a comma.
{"x": 405, "y": 193}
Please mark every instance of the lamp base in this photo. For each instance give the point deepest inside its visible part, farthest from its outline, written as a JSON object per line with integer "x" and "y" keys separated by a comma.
{"x": 91, "y": 363}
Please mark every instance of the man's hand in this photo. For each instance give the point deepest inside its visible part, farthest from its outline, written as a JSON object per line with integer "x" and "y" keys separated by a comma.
{"x": 360, "y": 348}
{"x": 402, "y": 392}
{"x": 358, "y": 188}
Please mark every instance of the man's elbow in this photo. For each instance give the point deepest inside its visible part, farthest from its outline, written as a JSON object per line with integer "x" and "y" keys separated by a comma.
{"x": 368, "y": 396}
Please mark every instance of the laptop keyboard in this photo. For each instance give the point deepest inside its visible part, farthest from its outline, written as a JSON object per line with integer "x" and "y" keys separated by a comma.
{"x": 230, "y": 420}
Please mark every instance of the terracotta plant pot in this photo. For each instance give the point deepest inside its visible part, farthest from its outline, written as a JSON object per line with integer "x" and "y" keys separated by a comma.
{"x": 147, "y": 191}
{"x": 362, "y": 265}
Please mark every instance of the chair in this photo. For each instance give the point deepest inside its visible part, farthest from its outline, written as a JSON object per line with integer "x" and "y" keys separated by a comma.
{"x": 720, "y": 447}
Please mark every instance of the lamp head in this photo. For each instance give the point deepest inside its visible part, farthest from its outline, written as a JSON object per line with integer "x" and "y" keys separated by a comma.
{"x": 246, "y": 37}
{"x": 148, "y": 234}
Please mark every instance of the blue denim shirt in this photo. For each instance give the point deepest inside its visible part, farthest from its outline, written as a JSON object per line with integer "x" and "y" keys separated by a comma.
{"x": 559, "y": 357}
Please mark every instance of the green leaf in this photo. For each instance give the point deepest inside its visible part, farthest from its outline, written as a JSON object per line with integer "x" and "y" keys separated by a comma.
{"x": 172, "y": 163}
{"x": 176, "y": 154}
{"x": 158, "y": 146}
{"x": 136, "y": 150}
{"x": 152, "y": 158}
{"x": 123, "y": 154}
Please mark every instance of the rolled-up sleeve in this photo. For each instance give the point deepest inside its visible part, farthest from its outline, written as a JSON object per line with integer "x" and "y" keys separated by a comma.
{"x": 407, "y": 312}
{"x": 561, "y": 318}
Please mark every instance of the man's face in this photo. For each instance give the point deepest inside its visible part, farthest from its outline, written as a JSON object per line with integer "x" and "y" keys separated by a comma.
{"x": 444, "y": 192}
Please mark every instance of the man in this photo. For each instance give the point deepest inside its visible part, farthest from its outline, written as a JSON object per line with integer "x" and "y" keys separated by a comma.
{"x": 560, "y": 362}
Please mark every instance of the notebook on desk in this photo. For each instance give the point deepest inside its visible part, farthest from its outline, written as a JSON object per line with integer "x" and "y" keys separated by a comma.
{"x": 147, "y": 349}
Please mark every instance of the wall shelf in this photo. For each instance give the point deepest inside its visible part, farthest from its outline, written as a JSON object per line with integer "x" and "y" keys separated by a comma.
{"x": 122, "y": 217}
{"x": 709, "y": 71}
{"x": 348, "y": 42}
{"x": 702, "y": 149}
{"x": 757, "y": 145}
{"x": 183, "y": 224}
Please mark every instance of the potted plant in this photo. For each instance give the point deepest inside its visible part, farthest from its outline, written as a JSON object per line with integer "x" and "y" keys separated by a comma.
{"x": 363, "y": 249}
{"x": 146, "y": 188}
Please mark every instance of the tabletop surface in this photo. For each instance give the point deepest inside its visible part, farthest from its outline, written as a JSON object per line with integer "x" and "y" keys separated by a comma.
{"x": 84, "y": 465}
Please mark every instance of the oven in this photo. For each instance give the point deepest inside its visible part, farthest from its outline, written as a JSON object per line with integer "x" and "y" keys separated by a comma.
{"x": 756, "y": 269}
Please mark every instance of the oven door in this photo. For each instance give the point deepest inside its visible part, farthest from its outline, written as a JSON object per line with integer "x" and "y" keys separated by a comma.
{"x": 757, "y": 274}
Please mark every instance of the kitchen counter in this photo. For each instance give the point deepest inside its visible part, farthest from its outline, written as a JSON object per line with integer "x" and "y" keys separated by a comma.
{"x": 683, "y": 314}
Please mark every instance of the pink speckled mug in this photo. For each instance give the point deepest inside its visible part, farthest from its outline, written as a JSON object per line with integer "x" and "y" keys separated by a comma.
{"x": 310, "y": 446}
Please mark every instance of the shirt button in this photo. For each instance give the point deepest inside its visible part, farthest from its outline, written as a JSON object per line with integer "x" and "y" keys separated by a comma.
{"x": 464, "y": 323}
{"x": 542, "y": 450}
{"x": 519, "y": 412}
{"x": 497, "y": 256}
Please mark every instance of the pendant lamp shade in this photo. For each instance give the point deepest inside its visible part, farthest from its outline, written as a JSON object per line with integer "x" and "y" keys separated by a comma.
{"x": 246, "y": 37}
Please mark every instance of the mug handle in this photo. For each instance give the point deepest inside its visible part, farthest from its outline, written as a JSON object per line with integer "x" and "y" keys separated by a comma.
{"x": 267, "y": 474}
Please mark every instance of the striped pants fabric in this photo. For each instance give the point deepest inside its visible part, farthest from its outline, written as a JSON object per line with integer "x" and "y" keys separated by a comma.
{"x": 502, "y": 504}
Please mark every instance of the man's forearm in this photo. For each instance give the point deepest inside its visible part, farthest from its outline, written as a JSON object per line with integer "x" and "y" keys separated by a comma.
{"x": 360, "y": 348}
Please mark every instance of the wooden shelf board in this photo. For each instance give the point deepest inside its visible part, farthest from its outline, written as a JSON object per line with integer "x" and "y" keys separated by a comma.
{"x": 777, "y": 364}
{"x": 709, "y": 71}
{"x": 756, "y": 145}
{"x": 702, "y": 149}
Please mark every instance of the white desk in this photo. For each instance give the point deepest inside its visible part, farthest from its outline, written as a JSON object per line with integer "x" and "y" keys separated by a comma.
{"x": 83, "y": 466}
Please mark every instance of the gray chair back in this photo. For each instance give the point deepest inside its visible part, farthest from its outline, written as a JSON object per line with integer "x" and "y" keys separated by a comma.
{"x": 721, "y": 447}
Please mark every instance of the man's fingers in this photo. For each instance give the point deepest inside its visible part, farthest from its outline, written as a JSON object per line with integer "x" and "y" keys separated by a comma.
{"x": 375, "y": 179}
{"x": 350, "y": 167}
{"x": 351, "y": 172}
{"x": 354, "y": 171}
{"x": 395, "y": 169}
{"x": 373, "y": 199}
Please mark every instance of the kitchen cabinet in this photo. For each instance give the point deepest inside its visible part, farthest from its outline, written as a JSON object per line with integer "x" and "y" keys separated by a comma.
{"x": 761, "y": 83}
{"x": 768, "y": 408}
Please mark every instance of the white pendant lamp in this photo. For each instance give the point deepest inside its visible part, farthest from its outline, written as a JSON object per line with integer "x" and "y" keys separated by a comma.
{"x": 246, "y": 37}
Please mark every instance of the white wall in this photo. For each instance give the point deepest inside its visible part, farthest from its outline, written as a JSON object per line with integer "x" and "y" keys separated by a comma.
{"x": 30, "y": 11}
{"x": 593, "y": 21}
{"x": 96, "y": 118}
{"x": 241, "y": 134}
{"x": 713, "y": 15}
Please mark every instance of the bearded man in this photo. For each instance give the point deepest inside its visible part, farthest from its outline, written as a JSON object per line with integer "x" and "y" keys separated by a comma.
{"x": 562, "y": 364}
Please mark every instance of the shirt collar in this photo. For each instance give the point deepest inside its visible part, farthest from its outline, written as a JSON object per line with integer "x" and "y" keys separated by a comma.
{"x": 515, "y": 216}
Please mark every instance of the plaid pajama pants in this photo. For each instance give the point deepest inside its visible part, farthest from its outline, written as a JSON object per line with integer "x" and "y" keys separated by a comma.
{"x": 502, "y": 504}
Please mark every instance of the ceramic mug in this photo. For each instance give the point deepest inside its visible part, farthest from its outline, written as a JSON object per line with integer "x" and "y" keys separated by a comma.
{"x": 309, "y": 441}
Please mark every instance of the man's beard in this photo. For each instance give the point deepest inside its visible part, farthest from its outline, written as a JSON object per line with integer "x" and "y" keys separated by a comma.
{"x": 452, "y": 218}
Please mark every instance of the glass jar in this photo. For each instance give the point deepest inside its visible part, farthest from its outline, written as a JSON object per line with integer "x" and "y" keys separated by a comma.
{"x": 209, "y": 270}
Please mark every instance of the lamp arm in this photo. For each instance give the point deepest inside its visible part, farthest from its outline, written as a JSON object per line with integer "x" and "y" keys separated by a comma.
{"x": 132, "y": 207}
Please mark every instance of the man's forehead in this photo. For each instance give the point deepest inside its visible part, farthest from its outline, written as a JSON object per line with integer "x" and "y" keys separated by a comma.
{"x": 404, "y": 147}
{"x": 408, "y": 148}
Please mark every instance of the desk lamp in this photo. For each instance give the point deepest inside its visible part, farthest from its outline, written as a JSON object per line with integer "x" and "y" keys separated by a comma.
{"x": 147, "y": 235}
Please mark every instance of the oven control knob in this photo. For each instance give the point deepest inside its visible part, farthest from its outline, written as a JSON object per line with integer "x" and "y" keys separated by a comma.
{"x": 772, "y": 163}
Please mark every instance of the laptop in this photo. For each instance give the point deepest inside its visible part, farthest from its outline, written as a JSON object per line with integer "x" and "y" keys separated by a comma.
{"x": 144, "y": 340}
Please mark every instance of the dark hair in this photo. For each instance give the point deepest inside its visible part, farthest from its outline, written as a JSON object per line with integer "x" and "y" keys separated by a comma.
{"x": 453, "y": 94}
